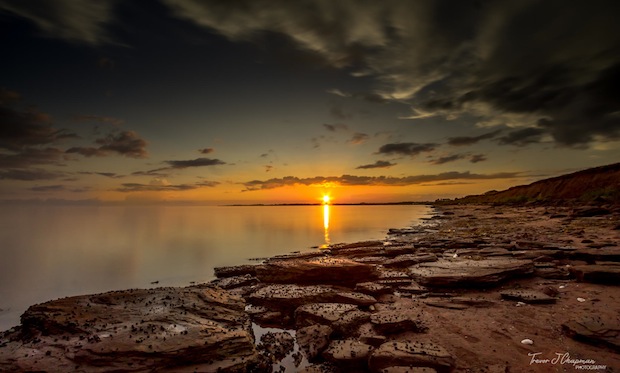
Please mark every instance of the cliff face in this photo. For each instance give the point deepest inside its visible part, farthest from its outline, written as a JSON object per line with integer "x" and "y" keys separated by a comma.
{"x": 600, "y": 185}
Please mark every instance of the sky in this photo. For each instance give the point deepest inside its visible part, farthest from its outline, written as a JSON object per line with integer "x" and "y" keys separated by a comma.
{"x": 276, "y": 101}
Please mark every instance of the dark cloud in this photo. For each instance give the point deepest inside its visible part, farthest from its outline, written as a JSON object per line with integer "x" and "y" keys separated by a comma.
{"x": 335, "y": 127}
{"x": 87, "y": 151}
{"x": 477, "y": 158}
{"x": 506, "y": 63}
{"x": 317, "y": 141}
{"x": 359, "y": 138}
{"x": 209, "y": 184}
{"x": 159, "y": 185}
{"x": 25, "y": 128}
{"x": 126, "y": 143}
{"x": 522, "y": 137}
{"x": 352, "y": 180}
{"x": 406, "y": 148}
{"x": 155, "y": 173}
{"x": 136, "y": 187}
{"x": 111, "y": 175}
{"x": 470, "y": 140}
{"x": 198, "y": 162}
{"x": 448, "y": 158}
{"x": 447, "y": 183}
{"x": 268, "y": 168}
{"x": 206, "y": 150}
{"x": 377, "y": 164}
{"x": 30, "y": 174}
{"x": 48, "y": 188}
{"x": 179, "y": 165}
{"x": 28, "y": 157}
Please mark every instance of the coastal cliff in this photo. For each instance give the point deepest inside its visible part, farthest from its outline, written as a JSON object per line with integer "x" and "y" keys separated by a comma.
{"x": 599, "y": 185}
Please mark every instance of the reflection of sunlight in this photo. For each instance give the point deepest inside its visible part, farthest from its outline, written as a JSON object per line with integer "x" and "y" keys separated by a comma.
{"x": 326, "y": 224}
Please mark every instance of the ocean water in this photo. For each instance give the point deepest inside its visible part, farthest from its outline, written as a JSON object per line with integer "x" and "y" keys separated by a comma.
{"x": 48, "y": 252}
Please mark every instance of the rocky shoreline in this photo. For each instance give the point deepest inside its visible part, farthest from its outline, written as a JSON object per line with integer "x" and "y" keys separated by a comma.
{"x": 486, "y": 289}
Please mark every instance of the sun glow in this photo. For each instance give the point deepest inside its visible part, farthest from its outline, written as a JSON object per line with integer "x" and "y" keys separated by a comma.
{"x": 326, "y": 199}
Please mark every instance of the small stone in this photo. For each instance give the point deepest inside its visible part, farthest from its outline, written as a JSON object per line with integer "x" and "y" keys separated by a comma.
{"x": 527, "y": 342}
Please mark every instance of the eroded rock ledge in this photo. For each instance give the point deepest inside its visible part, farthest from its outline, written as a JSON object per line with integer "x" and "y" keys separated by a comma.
{"x": 169, "y": 329}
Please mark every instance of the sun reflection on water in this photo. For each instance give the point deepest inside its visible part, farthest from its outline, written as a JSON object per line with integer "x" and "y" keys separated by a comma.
{"x": 326, "y": 225}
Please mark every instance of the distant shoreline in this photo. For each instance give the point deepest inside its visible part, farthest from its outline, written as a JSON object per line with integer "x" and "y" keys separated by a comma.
{"x": 335, "y": 204}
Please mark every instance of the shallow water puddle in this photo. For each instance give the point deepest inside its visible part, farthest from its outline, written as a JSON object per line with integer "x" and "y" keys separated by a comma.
{"x": 288, "y": 362}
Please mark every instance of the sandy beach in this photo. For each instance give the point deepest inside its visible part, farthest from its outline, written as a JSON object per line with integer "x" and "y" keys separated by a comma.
{"x": 474, "y": 289}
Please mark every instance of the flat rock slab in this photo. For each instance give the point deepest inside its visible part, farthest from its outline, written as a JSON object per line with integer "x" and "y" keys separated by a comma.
{"x": 407, "y": 260}
{"x": 527, "y": 296}
{"x": 313, "y": 339}
{"x": 411, "y": 354}
{"x": 594, "y": 330}
{"x": 372, "y": 288}
{"x": 348, "y": 353}
{"x": 391, "y": 322}
{"x": 343, "y": 246}
{"x": 360, "y": 252}
{"x": 336, "y": 271}
{"x": 164, "y": 328}
{"x": 552, "y": 273}
{"x": 322, "y": 313}
{"x": 235, "y": 281}
{"x": 608, "y": 254}
{"x": 352, "y": 297}
{"x": 246, "y": 269}
{"x": 602, "y": 273}
{"x": 413, "y": 288}
{"x": 462, "y": 273}
{"x": 288, "y": 296}
{"x": 306, "y": 255}
{"x": 446, "y": 303}
{"x": 342, "y": 318}
{"x": 460, "y": 303}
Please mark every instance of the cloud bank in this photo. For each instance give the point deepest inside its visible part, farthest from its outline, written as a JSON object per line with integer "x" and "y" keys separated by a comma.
{"x": 352, "y": 180}
{"x": 548, "y": 65}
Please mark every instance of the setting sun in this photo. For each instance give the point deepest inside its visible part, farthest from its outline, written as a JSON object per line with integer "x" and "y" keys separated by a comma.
{"x": 326, "y": 199}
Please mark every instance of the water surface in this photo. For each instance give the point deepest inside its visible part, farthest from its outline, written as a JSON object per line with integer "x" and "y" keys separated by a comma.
{"x": 49, "y": 252}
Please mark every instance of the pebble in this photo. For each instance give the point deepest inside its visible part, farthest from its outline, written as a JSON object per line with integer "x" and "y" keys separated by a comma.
{"x": 527, "y": 342}
{"x": 581, "y": 300}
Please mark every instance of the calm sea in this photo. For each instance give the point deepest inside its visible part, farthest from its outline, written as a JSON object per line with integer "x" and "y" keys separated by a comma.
{"x": 47, "y": 252}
